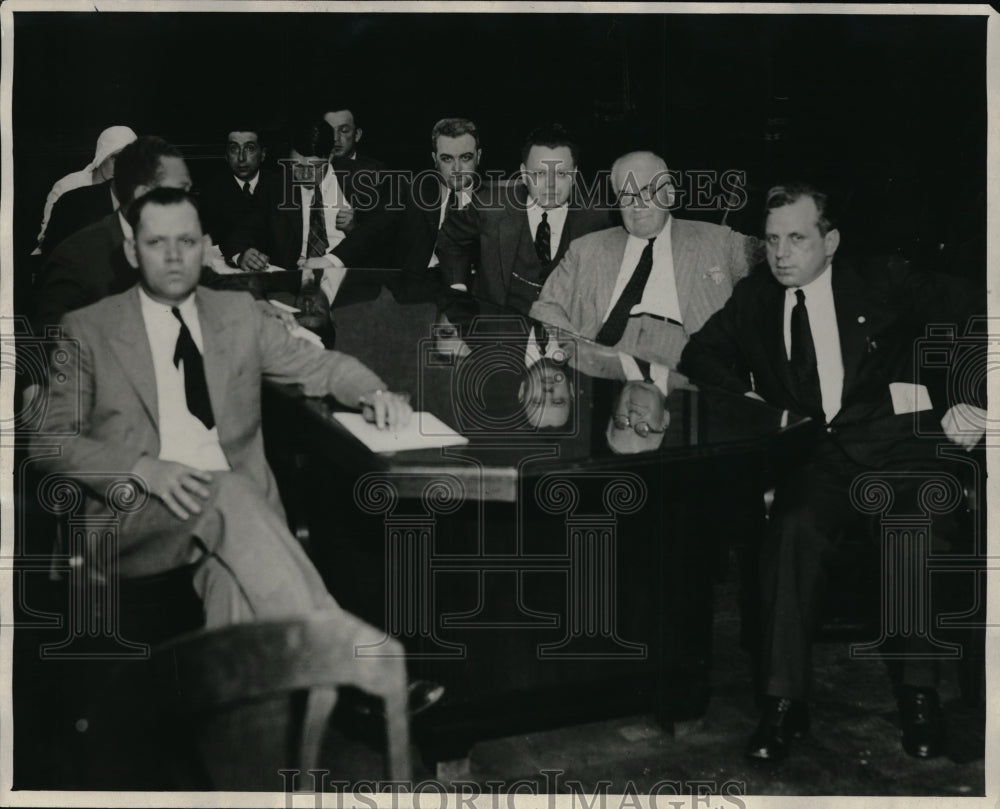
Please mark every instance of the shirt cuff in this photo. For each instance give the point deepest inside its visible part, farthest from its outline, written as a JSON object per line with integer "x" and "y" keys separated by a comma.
{"x": 460, "y": 287}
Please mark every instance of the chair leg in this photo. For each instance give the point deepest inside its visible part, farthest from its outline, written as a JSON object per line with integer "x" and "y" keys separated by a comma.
{"x": 397, "y": 736}
{"x": 319, "y": 705}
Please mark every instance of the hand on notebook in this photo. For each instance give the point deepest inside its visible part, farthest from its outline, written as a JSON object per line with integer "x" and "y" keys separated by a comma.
{"x": 386, "y": 409}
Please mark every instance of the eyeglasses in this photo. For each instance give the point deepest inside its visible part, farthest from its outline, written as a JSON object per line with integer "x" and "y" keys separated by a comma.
{"x": 627, "y": 199}
{"x": 642, "y": 428}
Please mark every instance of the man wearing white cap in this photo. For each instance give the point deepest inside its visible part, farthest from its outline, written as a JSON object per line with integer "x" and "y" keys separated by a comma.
{"x": 84, "y": 196}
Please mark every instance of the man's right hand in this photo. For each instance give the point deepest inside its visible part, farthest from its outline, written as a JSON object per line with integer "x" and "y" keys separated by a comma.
{"x": 252, "y": 260}
{"x": 180, "y": 487}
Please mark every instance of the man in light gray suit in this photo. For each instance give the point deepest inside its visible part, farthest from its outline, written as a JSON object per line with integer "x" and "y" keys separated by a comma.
{"x": 643, "y": 289}
{"x": 165, "y": 388}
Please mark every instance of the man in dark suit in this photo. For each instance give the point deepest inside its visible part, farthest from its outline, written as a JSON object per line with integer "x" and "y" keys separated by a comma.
{"x": 521, "y": 231}
{"x": 235, "y": 195}
{"x": 91, "y": 263}
{"x": 434, "y": 195}
{"x": 166, "y": 388}
{"x": 76, "y": 209}
{"x": 823, "y": 338}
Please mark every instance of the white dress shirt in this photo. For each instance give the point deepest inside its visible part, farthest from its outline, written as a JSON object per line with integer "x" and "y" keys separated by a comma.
{"x": 659, "y": 298}
{"x": 183, "y": 437}
{"x": 253, "y": 182}
{"x": 333, "y": 201}
{"x": 556, "y": 219}
{"x": 825, "y": 334}
{"x": 464, "y": 197}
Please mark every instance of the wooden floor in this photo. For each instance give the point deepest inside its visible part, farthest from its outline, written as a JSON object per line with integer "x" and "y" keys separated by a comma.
{"x": 853, "y": 748}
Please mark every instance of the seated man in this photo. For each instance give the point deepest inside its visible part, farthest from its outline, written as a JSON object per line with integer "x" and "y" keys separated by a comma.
{"x": 84, "y": 196}
{"x": 647, "y": 286}
{"x": 91, "y": 263}
{"x": 433, "y": 196}
{"x": 520, "y": 232}
{"x": 324, "y": 220}
{"x": 346, "y": 137}
{"x": 243, "y": 189}
{"x": 166, "y": 387}
{"x": 834, "y": 339}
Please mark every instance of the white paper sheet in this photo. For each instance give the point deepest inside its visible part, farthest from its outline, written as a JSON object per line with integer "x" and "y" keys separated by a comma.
{"x": 425, "y": 431}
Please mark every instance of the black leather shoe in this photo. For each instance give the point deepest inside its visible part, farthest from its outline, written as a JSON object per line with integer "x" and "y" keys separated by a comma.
{"x": 783, "y": 720}
{"x": 422, "y": 694}
{"x": 922, "y": 722}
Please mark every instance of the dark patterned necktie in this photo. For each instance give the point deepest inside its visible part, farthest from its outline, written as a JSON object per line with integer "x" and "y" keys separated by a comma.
{"x": 195, "y": 386}
{"x": 317, "y": 242}
{"x": 614, "y": 327}
{"x": 543, "y": 240}
{"x": 246, "y": 191}
{"x": 805, "y": 371}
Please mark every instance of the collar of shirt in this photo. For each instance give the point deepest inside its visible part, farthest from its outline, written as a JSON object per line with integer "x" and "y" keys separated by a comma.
{"x": 464, "y": 198}
{"x": 658, "y": 373}
{"x": 826, "y": 337}
{"x": 556, "y": 219}
{"x": 253, "y": 182}
{"x": 160, "y": 321}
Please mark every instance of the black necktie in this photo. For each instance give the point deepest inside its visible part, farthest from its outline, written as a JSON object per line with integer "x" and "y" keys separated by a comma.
{"x": 543, "y": 240}
{"x": 805, "y": 372}
{"x": 247, "y": 191}
{"x": 455, "y": 203}
{"x": 195, "y": 386}
{"x": 614, "y": 327}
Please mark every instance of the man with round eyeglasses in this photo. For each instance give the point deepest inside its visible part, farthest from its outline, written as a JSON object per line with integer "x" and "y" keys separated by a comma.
{"x": 646, "y": 286}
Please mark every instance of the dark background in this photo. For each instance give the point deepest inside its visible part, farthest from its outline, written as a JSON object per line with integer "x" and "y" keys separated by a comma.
{"x": 890, "y": 112}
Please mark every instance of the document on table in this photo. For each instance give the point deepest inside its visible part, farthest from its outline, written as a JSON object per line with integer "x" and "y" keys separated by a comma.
{"x": 425, "y": 431}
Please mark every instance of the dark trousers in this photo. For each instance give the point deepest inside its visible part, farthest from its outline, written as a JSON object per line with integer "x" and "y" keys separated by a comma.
{"x": 812, "y": 508}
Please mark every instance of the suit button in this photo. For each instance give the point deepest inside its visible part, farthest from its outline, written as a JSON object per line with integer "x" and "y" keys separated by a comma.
{"x": 830, "y": 430}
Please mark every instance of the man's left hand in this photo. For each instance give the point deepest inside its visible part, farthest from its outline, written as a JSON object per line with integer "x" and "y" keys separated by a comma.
{"x": 345, "y": 219}
{"x": 386, "y": 409}
{"x": 964, "y": 424}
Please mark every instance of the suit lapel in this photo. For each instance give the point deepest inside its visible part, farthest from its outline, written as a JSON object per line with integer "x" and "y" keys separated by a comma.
{"x": 852, "y": 320}
{"x": 214, "y": 327}
{"x": 568, "y": 232}
{"x": 130, "y": 343}
{"x": 773, "y": 329}
{"x": 511, "y": 229}
{"x": 611, "y": 258}
{"x": 683, "y": 250}
{"x": 432, "y": 214}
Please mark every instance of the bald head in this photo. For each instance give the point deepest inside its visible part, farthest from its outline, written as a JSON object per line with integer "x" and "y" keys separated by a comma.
{"x": 645, "y": 193}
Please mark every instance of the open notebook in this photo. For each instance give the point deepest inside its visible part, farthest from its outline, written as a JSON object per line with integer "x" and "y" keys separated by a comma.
{"x": 425, "y": 431}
